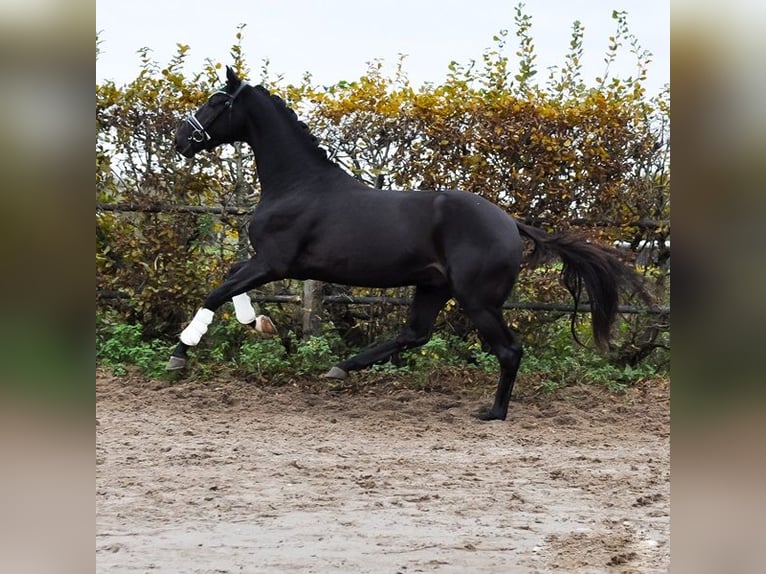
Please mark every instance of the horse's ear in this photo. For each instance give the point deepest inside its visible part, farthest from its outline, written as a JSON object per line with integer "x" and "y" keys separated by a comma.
{"x": 232, "y": 81}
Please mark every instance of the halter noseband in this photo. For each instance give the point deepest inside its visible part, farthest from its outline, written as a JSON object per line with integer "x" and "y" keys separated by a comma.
{"x": 199, "y": 132}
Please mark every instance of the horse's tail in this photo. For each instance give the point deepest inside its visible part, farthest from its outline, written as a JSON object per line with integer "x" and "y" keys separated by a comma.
{"x": 598, "y": 268}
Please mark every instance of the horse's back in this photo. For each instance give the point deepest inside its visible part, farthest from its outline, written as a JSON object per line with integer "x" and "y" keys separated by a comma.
{"x": 443, "y": 225}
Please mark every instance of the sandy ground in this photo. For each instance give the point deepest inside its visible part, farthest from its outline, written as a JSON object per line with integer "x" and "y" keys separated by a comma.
{"x": 229, "y": 476}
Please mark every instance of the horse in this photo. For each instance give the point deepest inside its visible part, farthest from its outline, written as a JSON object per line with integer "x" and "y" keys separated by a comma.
{"x": 316, "y": 221}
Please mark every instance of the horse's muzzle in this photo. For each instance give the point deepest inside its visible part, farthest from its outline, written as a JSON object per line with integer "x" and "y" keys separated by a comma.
{"x": 185, "y": 145}
{"x": 186, "y": 149}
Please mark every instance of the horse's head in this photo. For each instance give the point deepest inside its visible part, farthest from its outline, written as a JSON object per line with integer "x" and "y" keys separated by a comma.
{"x": 217, "y": 122}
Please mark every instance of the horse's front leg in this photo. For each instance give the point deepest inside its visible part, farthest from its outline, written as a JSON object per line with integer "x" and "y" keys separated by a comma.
{"x": 243, "y": 307}
{"x": 242, "y": 277}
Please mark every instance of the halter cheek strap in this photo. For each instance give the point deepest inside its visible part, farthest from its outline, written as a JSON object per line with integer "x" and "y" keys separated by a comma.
{"x": 199, "y": 131}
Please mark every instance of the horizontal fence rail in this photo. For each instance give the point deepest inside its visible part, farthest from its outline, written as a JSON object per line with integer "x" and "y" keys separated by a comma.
{"x": 170, "y": 208}
{"x": 373, "y": 300}
{"x": 241, "y": 211}
{"x": 526, "y": 305}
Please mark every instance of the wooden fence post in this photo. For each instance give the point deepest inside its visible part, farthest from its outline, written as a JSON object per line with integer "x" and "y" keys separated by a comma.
{"x": 312, "y": 308}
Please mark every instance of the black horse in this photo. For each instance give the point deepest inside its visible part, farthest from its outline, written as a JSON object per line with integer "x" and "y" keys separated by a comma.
{"x": 315, "y": 221}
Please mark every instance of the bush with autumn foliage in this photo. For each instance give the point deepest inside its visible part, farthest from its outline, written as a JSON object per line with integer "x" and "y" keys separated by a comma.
{"x": 553, "y": 149}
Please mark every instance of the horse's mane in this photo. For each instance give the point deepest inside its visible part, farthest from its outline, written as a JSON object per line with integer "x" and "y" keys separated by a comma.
{"x": 303, "y": 129}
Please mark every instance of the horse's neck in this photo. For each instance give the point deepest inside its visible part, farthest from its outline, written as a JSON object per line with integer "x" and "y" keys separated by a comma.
{"x": 285, "y": 156}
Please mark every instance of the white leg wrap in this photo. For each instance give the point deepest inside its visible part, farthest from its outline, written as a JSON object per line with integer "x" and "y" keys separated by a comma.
{"x": 243, "y": 308}
{"x": 198, "y": 327}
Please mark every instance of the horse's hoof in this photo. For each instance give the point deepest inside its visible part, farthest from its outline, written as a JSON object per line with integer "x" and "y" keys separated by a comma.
{"x": 264, "y": 325}
{"x": 175, "y": 363}
{"x": 488, "y": 415}
{"x": 336, "y": 373}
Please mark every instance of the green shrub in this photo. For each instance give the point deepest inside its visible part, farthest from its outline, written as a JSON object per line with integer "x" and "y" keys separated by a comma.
{"x": 316, "y": 354}
{"x": 122, "y": 346}
{"x": 266, "y": 357}
{"x": 561, "y": 361}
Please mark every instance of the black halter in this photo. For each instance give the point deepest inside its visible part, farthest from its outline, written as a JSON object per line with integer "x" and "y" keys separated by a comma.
{"x": 199, "y": 132}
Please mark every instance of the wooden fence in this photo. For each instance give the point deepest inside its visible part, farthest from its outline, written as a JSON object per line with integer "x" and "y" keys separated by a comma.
{"x": 312, "y": 303}
{"x": 311, "y": 300}
{"x": 242, "y": 211}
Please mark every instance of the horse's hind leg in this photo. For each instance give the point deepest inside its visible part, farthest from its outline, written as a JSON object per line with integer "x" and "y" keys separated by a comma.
{"x": 506, "y": 346}
{"x": 242, "y": 277}
{"x": 427, "y": 303}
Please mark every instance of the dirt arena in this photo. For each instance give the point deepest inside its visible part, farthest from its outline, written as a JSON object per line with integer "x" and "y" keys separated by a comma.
{"x": 229, "y": 476}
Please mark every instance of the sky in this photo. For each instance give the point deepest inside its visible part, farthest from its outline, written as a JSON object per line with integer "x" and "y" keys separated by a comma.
{"x": 335, "y": 39}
